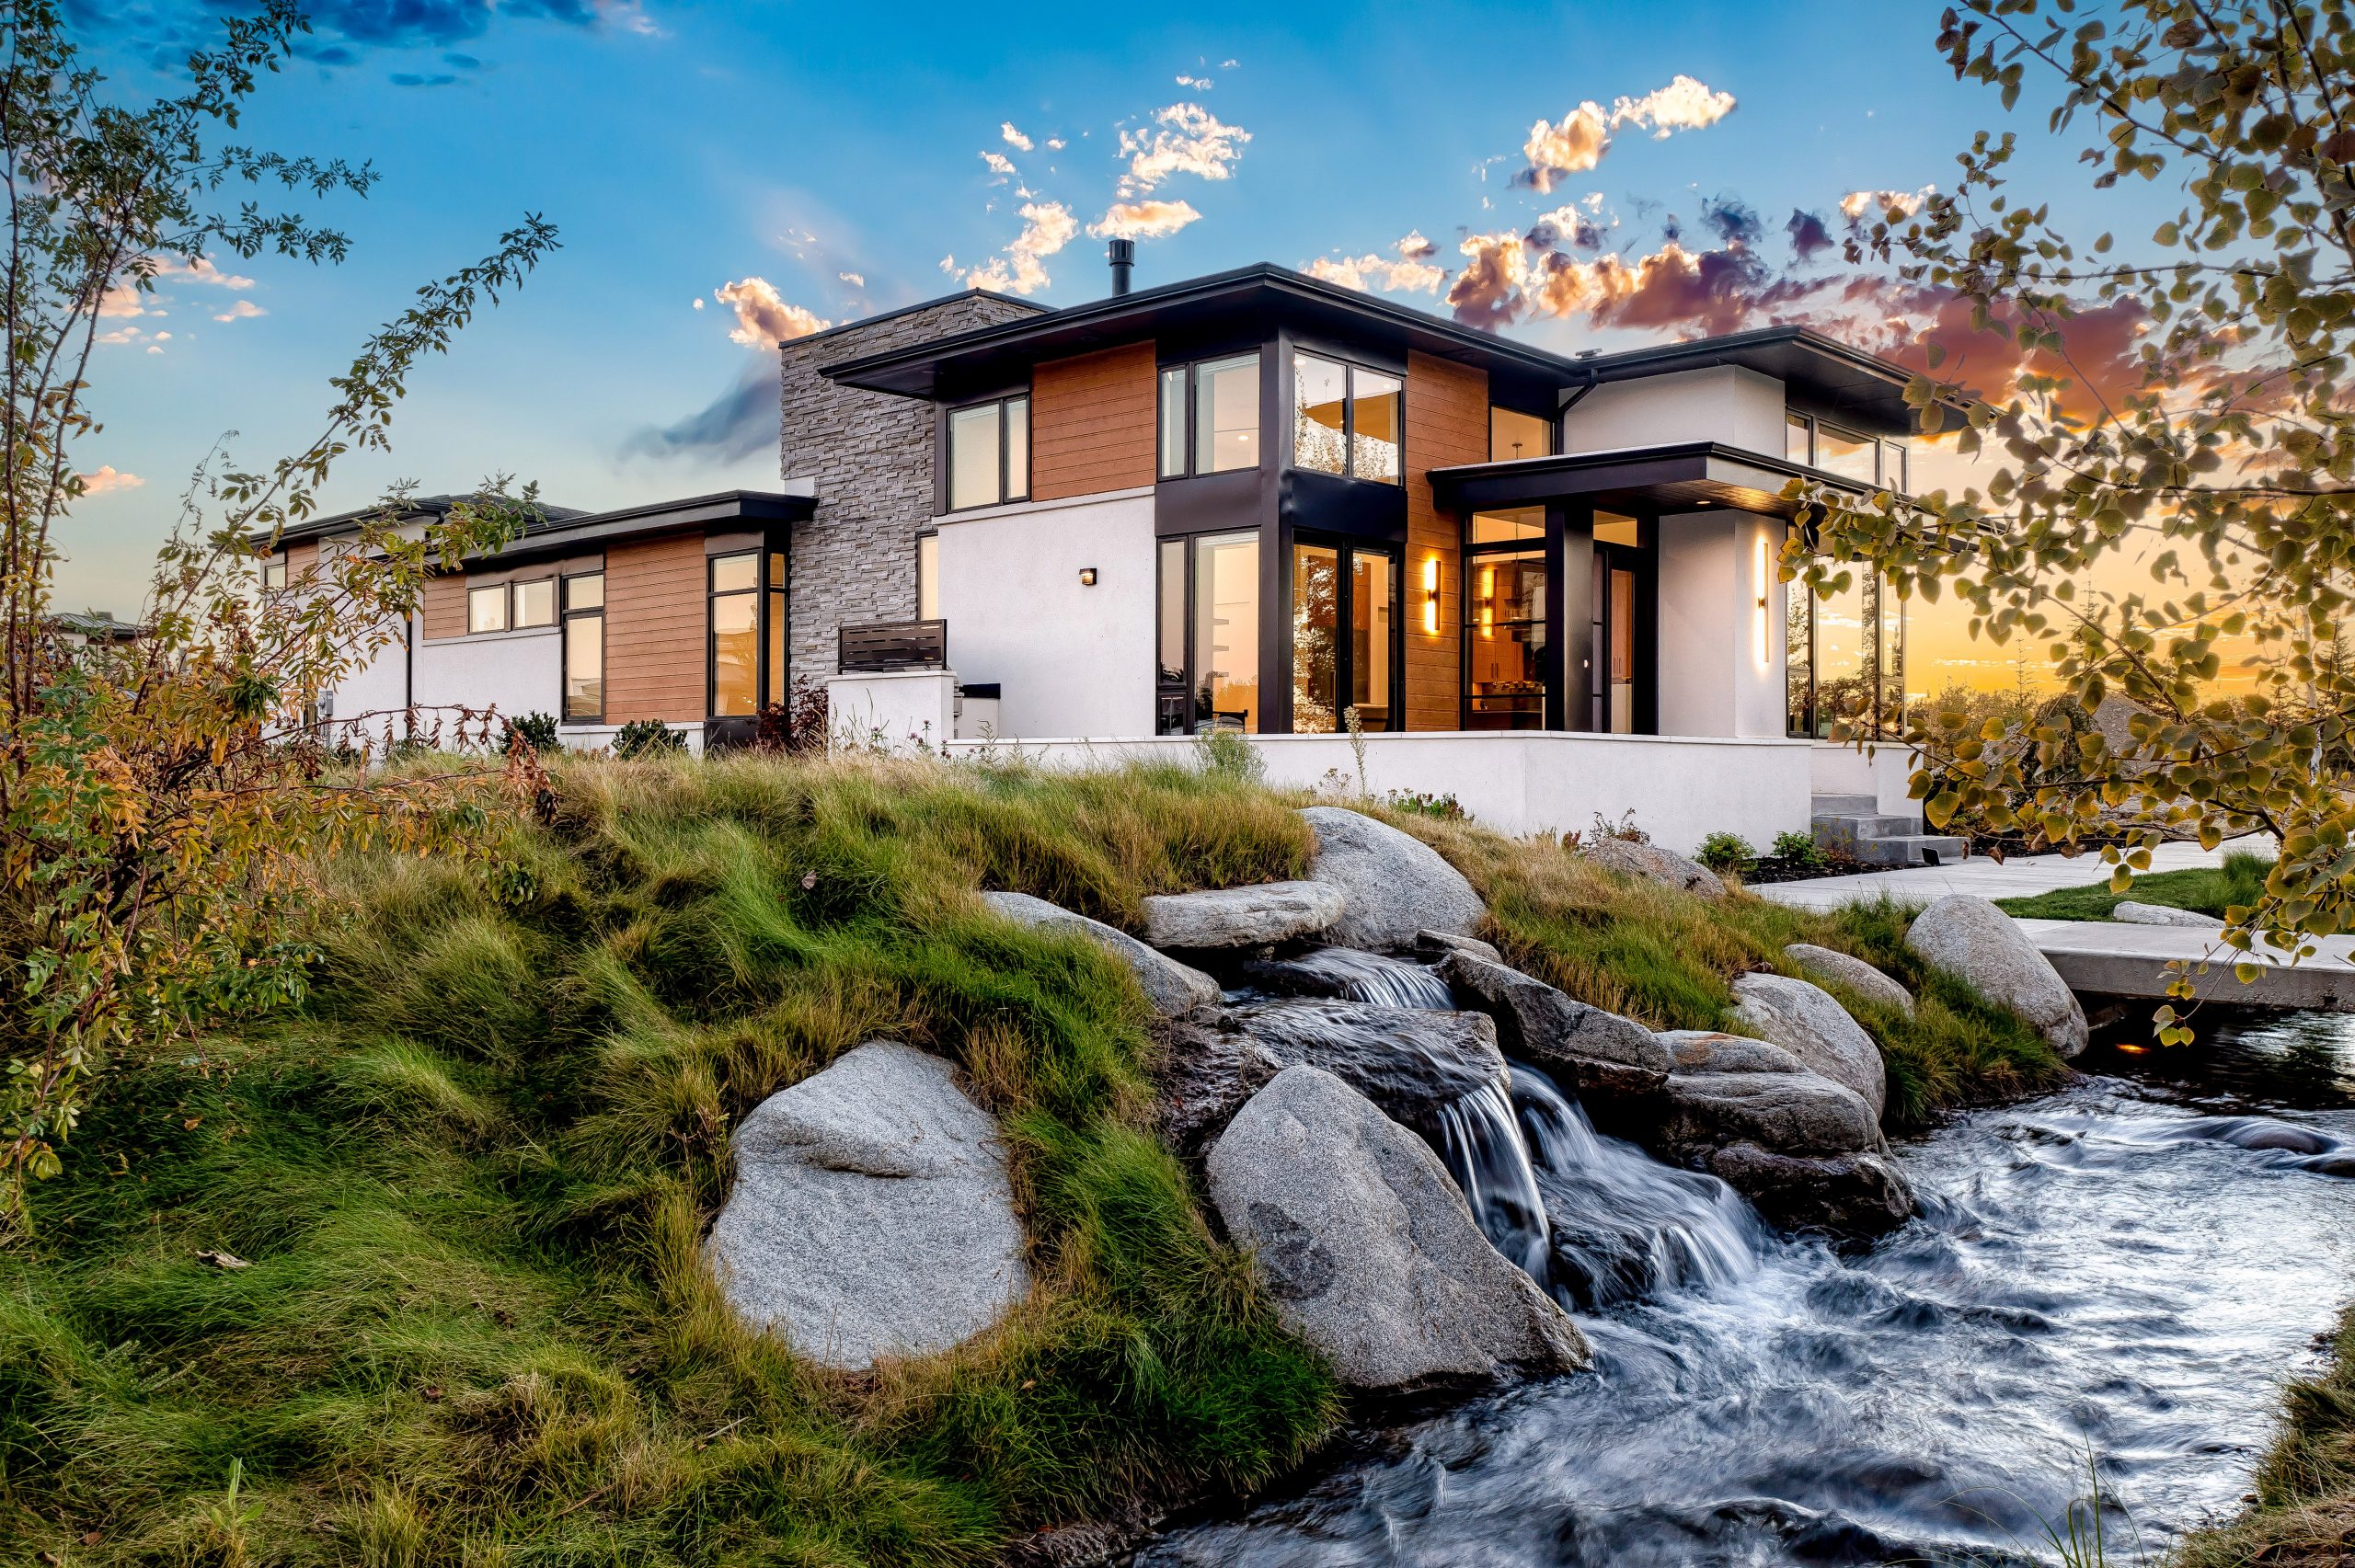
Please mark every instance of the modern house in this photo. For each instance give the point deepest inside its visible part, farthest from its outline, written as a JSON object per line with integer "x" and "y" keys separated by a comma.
{"x": 1255, "y": 501}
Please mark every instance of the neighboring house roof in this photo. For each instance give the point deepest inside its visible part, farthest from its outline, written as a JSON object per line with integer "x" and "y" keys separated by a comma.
{"x": 1827, "y": 372}
{"x": 98, "y": 626}
{"x": 560, "y": 529}
{"x": 415, "y": 508}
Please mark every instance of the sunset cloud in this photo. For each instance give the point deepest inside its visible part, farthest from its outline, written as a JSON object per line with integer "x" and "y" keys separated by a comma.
{"x": 107, "y": 477}
{"x": 1860, "y": 205}
{"x": 1409, "y": 271}
{"x": 1047, "y": 227}
{"x": 764, "y": 319}
{"x": 1143, "y": 220}
{"x": 1191, "y": 140}
{"x": 1682, "y": 104}
{"x": 1572, "y": 146}
{"x": 1576, "y": 142}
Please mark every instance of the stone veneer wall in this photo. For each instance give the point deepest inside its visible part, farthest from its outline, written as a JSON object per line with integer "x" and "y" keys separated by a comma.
{"x": 870, "y": 455}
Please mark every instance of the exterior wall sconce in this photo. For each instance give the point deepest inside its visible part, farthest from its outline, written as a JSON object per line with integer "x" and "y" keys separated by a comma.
{"x": 1087, "y": 577}
{"x": 1758, "y": 579}
{"x": 1430, "y": 596}
{"x": 1488, "y": 603}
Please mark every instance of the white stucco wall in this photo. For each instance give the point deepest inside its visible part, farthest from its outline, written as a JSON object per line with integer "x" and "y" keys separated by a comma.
{"x": 1715, "y": 566}
{"x": 516, "y": 673}
{"x": 1728, "y": 403}
{"x": 897, "y": 710}
{"x": 1885, "y": 773}
{"x": 378, "y": 688}
{"x": 1068, "y": 659}
{"x": 1679, "y": 788}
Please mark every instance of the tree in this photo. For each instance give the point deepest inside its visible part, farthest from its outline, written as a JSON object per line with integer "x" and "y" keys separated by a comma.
{"x": 2222, "y": 458}
{"x": 163, "y": 803}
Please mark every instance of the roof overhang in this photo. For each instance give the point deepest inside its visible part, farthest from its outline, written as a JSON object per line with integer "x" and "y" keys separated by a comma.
{"x": 1820, "y": 374}
{"x": 576, "y": 531}
{"x": 1690, "y": 477}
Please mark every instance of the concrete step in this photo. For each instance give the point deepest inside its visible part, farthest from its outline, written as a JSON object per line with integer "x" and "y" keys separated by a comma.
{"x": 1843, "y": 806}
{"x": 1911, "y": 849}
{"x": 1849, "y": 829}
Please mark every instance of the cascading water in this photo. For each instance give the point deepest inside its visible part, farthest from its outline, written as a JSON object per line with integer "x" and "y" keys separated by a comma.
{"x": 1369, "y": 976}
{"x": 1484, "y": 1152}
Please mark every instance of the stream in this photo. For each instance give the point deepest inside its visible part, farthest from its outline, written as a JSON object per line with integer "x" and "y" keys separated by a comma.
{"x": 2124, "y": 1273}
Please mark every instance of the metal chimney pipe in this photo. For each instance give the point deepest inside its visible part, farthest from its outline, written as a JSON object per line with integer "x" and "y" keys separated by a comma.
{"x": 1124, "y": 259}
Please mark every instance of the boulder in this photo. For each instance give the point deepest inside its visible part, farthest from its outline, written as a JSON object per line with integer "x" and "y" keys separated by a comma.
{"x": 871, "y": 1213}
{"x": 1258, "y": 916}
{"x": 1657, "y": 865}
{"x": 1395, "y": 885}
{"x": 1173, "y": 988}
{"x": 1809, "y": 1023}
{"x": 1439, "y": 943}
{"x": 2134, "y": 913}
{"x": 1971, "y": 938}
{"x": 1789, "y": 1113}
{"x": 1409, "y": 1061}
{"x": 1206, "y": 1068}
{"x": 1847, "y": 969}
{"x": 1705, "y": 1050}
{"x": 1367, "y": 1250}
{"x": 1591, "y": 1052}
{"x": 1852, "y": 1193}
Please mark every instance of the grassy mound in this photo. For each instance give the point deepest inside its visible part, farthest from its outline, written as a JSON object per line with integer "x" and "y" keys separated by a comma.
{"x": 2303, "y": 1514}
{"x": 413, "y": 1278}
{"x": 2210, "y": 890}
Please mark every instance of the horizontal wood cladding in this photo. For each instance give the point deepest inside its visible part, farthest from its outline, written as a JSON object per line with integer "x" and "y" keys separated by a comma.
{"x": 1091, "y": 423}
{"x": 654, "y": 630}
{"x": 1447, "y": 424}
{"x": 445, "y": 606}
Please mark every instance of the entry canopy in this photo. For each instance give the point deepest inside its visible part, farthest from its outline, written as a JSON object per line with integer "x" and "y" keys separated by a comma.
{"x": 1690, "y": 477}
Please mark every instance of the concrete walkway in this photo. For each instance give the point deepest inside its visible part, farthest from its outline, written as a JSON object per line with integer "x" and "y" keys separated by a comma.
{"x": 2014, "y": 878}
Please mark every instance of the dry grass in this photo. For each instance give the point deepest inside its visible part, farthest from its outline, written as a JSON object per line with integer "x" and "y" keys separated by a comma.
{"x": 2304, "y": 1512}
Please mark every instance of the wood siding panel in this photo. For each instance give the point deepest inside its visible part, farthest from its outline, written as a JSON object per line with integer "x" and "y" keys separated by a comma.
{"x": 445, "y": 606}
{"x": 1091, "y": 423}
{"x": 654, "y": 630}
{"x": 1447, "y": 424}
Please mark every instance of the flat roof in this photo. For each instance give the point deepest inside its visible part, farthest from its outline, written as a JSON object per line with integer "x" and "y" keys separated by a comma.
{"x": 564, "y": 528}
{"x": 1689, "y": 476}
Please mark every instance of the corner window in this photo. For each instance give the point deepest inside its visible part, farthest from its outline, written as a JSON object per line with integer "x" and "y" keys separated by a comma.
{"x": 1893, "y": 467}
{"x": 273, "y": 574}
{"x": 989, "y": 454}
{"x": 1210, "y": 416}
{"x": 1345, "y": 419}
{"x": 1209, "y": 654}
{"x": 1843, "y": 452}
{"x": 1514, "y": 435}
{"x": 584, "y": 648}
{"x": 487, "y": 609}
{"x": 1798, "y": 438}
{"x": 534, "y": 603}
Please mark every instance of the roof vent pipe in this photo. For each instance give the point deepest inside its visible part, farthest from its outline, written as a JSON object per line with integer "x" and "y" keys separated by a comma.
{"x": 1124, "y": 258}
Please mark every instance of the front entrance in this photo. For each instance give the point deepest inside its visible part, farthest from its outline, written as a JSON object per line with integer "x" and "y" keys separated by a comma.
{"x": 1345, "y": 647}
{"x": 1623, "y": 693}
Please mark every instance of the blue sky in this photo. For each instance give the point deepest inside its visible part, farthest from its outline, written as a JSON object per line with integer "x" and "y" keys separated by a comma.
{"x": 682, "y": 149}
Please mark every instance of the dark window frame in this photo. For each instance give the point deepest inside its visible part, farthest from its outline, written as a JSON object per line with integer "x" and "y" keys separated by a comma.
{"x": 1188, "y": 693}
{"x": 514, "y": 604}
{"x": 1885, "y": 725}
{"x": 1551, "y": 424}
{"x": 279, "y": 566}
{"x": 758, "y": 593}
{"x": 565, "y": 613}
{"x": 1005, "y": 451}
{"x": 1468, "y": 557}
{"x": 1344, "y": 547}
{"x": 1190, "y": 395}
{"x": 1350, "y": 369}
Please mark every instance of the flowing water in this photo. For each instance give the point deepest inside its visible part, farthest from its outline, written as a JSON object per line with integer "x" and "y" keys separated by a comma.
{"x": 2128, "y": 1269}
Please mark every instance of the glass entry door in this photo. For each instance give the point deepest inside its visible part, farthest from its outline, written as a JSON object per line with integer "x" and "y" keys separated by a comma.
{"x": 1345, "y": 642}
{"x": 1622, "y": 690}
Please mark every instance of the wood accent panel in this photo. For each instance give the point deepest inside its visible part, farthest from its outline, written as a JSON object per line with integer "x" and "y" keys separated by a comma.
{"x": 301, "y": 556}
{"x": 1447, "y": 424}
{"x": 444, "y": 611}
{"x": 654, "y": 630}
{"x": 1091, "y": 423}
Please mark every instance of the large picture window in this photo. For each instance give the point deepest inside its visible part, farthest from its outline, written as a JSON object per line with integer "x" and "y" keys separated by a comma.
{"x": 747, "y": 623}
{"x": 1210, "y": 634}
{"x": 584, "y": 648}
{"x": 1346, "y": 419}
{"x": 989, "y": 454}
{"x": 1883, "y": 462}
{"x": 1210, "y": 416}
{"x": 1844, "y": 658}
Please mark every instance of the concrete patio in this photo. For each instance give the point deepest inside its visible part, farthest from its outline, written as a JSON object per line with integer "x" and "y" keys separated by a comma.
{"x": 2017, "y": 877}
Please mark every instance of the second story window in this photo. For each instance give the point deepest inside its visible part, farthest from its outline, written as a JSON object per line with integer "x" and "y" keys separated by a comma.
{"x": 273, "y": 574}
{"x": 1514, "y": 435}
{"x": 989, "y": 454}
{"x": 1345, "y": 419}
{"x": 1210, "y": 415}
{"x": 1852, "y": 456}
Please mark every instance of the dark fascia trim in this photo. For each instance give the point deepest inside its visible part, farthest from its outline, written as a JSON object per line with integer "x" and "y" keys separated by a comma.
{"x": 1749, "y": 349}
{"x": 1577, "y": 473}
{"x": 630, "y": 523}
{"x": 856, "y": 324}
{"x": 880, "y": 371}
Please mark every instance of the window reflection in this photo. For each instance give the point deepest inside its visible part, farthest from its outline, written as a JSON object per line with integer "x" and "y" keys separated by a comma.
{"x": 1315, "y": 639}
{"x": 1227, "y": 631}
{"x": 1320, "y": 415}
{"x": 1376, "y": 417}
{"x": 1226, "y": 414}
{"x": 1374, "y": 636}
{"x": 1514, "y": 435}
{"x": 973, "y": 456}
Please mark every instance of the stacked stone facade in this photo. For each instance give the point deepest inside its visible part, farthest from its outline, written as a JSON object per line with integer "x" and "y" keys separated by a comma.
{"x": 870, "y": 455}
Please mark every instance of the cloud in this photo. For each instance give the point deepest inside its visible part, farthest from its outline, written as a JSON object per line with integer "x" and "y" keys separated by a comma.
{"x": 1143, "y": 220}
{"x": 999, "y": 163}
{"x": 1508, "y": 278}
{"x": 1810, "y": 236}
{"x": 1578, "y": 140}
{"x": 1858, "y": 206}
{"x": 1412, "y": 272}
{"x": 857, "y": 280}
{"x": 1735, "y": 221}
{"x": 200, "y": 270}
{"x": 243, "y": 310}
{"x": 107, "y": 477}
{"x": 738, "y": 423}
{"x": 1013, "y": 138}
{"x": 1200, "y": 84}
{"x": 411, "y": 79}
{"x": 1191, "y": 141}
{"x": 1567, "y": 225}
{"x": 763, "y": 318}
{"x": 1047, "y": 227}
{"x": 123, "y": 299}
{"x": 1055, "y": 144}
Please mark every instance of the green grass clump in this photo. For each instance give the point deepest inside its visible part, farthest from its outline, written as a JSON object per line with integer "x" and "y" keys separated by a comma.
{"x": 2209, "y": 890}
{"x": 2304, "y": 1508}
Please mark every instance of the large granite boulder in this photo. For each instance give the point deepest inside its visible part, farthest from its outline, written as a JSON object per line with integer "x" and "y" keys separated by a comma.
{"x": 1258, "y": 916}
{"x": 1409, "y": 1061}
{"x": 1809, "y": 1023}
{"x": 1971, "y": 938}
{"x": 1592, "y": 1053}
{"x": 1368, "y": 1251}
{"x": 1396, "y": 885}
{"x": 1173, "y": 988}
{"x": 1861, "y": 1194}
{"x": 1790, "y": 1113}
{"x": 1847, "y": 969}
{"x": 1707, "y": 1050}
{"x": 870, "y": 1214}
{"x": 2134, "y": 913}
{"x": 1205, "y": 1071}
{"x": 1657, "y": 865}
{"x": 1439, "y": 943}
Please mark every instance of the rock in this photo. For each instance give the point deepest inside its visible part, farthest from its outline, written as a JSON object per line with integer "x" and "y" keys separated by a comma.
{"x": 1396, "y": 885}
{"x": 1705, "y": 1050}
{"x": 1368, "y": 1251}
{"x": 1173, "y": 988}
{"x": 1789, "y": 1113}
{"x": 1258, "y": 916}
{"x": 1658, "y": 864}
{"x": 1590, "y": 1052}
{"x": 1971, "y": 938}
{"x": 1847, "y": 969}
{"x": 1409, "y": 1061}
{"x": 1809, "y": 1023}
{"x": 2134, "y": 913}
{"x": 1206, "y": 1070}
{"x": 1852, "y": 1194}
{"x": 1439, "y": 943}
{"x": 870, "y": 1214}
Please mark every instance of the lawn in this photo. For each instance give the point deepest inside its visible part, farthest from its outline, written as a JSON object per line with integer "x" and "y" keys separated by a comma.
{"x": 2240, "y": 880}
{"x": 412, "y": 1276}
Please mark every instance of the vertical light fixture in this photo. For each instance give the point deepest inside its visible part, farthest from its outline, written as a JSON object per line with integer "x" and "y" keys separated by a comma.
{"x": 1488, "y": 602}
{"x": 1758, "y": 580}
{"x": 1430, "y": 596}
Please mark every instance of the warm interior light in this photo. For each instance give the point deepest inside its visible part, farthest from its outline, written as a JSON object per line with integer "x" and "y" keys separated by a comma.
{"x": 1430, "y": 596}
{"x": 1488, "y": 601}
{"x": 1758, "y": 579}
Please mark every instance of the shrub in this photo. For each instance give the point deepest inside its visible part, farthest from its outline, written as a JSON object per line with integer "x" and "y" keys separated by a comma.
{"x": 648, "y": 738}
{"x": 1796, "y": 853}
{"x": 1444, "y": 807}
{"x": 798, "y": 724}
{"x": 535, "y": 730}
{"x": 1725, "y": 851}
{"x": 1228, "y": 754}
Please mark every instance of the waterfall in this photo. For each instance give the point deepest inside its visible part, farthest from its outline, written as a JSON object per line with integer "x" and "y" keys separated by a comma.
{"x": 1622, "y": 1225}
{"x": 1369, "y": 976}
{"x": 1486, "y": 1155}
